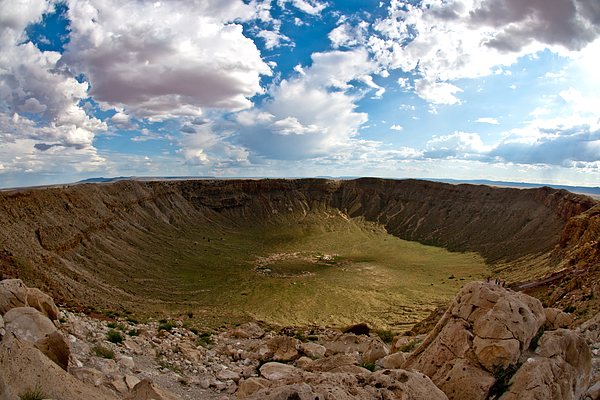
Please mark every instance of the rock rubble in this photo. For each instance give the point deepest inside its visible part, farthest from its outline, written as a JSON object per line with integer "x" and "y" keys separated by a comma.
{"x": 490, "y": 343}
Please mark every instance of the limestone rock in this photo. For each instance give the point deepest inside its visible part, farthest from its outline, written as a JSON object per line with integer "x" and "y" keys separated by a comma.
{"x": 89, "y": 375}
{"x": 303, "y": 361}
{"x": 249, "y": 330}
{"x": 593, "y": 393}
{"x": 313, "y": 350}
{"x": 274, "y": 371}
{"x": 55, "y": 347}
{"x": 393, "y": 361}
{"x": 297, "y": 392}
{"x": 411, "y": 385}
{"x": 131, "y": 381}
{"x": 43, "y": 303}
{"x": 190, "y": 352}
{"x": 5, "y": 392}
{"x": 348, "y": 343}
{"x": 13, "y": 293}
{"x": 148, "y": 390}
{"x": 284, "y": 348}
{"x": 375, "y": 351}
{"x": 329, "y": 363}
{"x": 251, "y": 386}
{"x": 494, "y": 352}
{"x": 466, "y": 380}
{"x": 400, "y": 342}
{"x": 134, "y": 347}
{"x": 486, "y": 327}
{"x": 556, "y": 319}
{"x": 567, "y": 345}
{"x": 544, "y": 378}
{"x": 106, "y": 366}
{"x": 28, "y": 323}
{"x": 227, "y": 374}
{"x": 349, "y": 369}
{"x": 118, "y": 382}
{"x": 24, "y": 368}
{"x": 126, "y": 363}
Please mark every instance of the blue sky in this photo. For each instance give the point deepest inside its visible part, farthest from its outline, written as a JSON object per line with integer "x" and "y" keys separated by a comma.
{"x": 463, "y": 89}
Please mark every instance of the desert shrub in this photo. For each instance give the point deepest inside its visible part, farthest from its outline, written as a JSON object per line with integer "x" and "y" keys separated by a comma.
{"x": 133, "y": 332}
{"x": 34, "y": 394}
{"x": 204, "y": 339}
{"x": 104, "y": 352}
{"x": 112, "y": 325}
{"x": 570, "y": 309}
{"x": 301, "y": 337}
{"x": 535, "y": 341}
{"x": 114, "y": 336}
{"x": 370, "y": 366}
{"x": 166, "y": 326}
{"x": 409, "y": 346}
{"x": 386, "y": 336}
{"x": 503, "y": 377}
{"x": 132, "y": 320}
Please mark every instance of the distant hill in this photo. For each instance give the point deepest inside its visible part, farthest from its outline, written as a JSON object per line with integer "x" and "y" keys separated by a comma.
{"x": 573, "y": 189}
{"x": 524, "y": 185}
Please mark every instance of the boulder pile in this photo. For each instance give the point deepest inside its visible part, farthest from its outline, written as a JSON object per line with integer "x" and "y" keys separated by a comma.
{"x": 491, "y": 343}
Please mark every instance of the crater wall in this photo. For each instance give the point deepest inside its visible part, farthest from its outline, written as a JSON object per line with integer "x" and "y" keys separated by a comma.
{"x": 65, "y": 239}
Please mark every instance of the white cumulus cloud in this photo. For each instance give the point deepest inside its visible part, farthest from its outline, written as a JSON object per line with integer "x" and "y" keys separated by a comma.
{"x": 165, "y": 60}
{"x": 489, "y": 120}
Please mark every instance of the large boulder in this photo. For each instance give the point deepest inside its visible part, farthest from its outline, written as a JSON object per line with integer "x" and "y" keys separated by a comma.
{"x": 249, "y": 330}
{"x": 55, "y": 347}
{"x": 274, "y": 371}
{"x": 556, "y": 319}
{"x": 148, "y": 390}
{"x": 24, "y": 368}
{"x": 330, "y": 363}
{"x": 5, "y": 392}
{"x": 43, "y": 303}
{"x": 387, "y": 384}
{"x": 484, "y": 330}
{"x": 28, "y": 323}
{"x": 348, "y": 343}
{"x": 375, "y": 351}
{"x": 313, "y": 350}
{"x": 13, "y": 293}
{"x": 393, "y": 361}
{"x": 561, "y": 370}
{"x": 284, "y": 348}
{"x": 89, "y": 375}
{"x": 250, "y": 386}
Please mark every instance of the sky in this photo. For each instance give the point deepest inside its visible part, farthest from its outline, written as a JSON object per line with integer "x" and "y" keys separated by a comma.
{"x": 505, "y": 90}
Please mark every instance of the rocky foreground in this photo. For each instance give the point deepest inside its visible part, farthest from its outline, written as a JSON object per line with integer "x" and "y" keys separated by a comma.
{"x": 491, "y": 343}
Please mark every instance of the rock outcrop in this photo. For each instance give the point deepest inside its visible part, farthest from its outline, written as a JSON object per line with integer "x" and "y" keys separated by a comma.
{"x": 13, "y": 293}
{"x": 560, "y": 369}
{"x": 489, "y": 329}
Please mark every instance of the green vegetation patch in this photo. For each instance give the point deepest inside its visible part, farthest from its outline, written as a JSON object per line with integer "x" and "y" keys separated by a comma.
{"x": 104, "y": 352}
{"x": 321, "y": 268}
